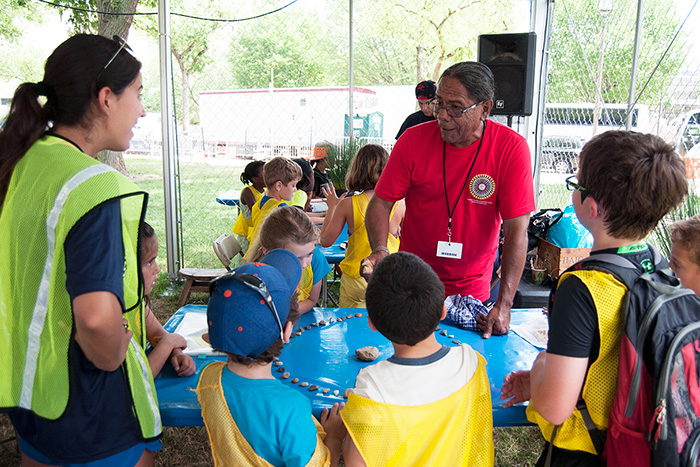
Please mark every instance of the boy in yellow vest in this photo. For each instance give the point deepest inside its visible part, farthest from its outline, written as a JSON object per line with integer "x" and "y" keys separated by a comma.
{"x": 428, "y": 404}
{"x": 281, "y": 176}
{"x": 626, "y": 183}
{"x": 251, "y": 417}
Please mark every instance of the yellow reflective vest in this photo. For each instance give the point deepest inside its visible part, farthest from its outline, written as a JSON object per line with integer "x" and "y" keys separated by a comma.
{"x": 58, "y": 185}
{"x": 455, "y": 431}
{"x": 599, "y": 386}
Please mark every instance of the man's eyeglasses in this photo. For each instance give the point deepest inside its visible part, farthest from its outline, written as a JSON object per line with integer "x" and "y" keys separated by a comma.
{"x": 122, "y": 45}
{"x": 572, "y": 184}
{"x": 256, "y": 284}
{"x": 453, "y": 111}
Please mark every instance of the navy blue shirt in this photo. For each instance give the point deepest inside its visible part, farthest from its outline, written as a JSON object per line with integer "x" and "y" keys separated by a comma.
{"x": 99, "y": 408}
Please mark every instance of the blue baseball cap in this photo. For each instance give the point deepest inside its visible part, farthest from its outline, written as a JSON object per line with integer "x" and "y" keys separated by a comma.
{"x": 249, "y": 305}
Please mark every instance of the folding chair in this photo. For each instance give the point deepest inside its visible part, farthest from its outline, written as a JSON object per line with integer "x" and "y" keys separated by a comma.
{"x": 226, "y": 248}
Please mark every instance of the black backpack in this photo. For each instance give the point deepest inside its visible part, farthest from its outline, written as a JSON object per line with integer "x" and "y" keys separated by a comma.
{"x": 655, "y": 416}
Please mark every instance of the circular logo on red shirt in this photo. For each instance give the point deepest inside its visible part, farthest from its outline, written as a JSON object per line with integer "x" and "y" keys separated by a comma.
{"x": 482, "y": 186}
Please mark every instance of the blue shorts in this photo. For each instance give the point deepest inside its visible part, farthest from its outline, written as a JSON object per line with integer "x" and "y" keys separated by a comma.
{"x": 126, "y": 458}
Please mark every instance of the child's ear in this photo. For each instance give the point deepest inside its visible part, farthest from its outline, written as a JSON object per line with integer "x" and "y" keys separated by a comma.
{"x": 278, "y": 185}
{"x": 288, "y": 328}
{"x": 371, "y": 324}
{"x": 444, "y": 312}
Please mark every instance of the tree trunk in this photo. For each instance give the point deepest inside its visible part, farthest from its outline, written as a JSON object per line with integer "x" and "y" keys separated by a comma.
{"x": 109, "y": 25}
{"x": 114, "y": 159}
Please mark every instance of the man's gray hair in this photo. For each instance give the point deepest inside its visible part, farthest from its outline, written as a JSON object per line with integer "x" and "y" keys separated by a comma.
{"x": 476, "y": 78}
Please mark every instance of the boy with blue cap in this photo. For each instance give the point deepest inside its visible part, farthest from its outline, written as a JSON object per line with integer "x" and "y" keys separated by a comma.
{"x": 251, "y": 417}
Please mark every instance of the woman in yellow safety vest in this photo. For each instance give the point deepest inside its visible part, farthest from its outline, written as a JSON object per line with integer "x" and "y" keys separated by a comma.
{"x": 78, "y": 389}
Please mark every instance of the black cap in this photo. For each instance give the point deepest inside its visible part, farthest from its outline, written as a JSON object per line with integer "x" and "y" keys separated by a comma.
{"x": 425, "y": 90}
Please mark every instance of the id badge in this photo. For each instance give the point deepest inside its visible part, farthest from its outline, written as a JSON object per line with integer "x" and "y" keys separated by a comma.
{"x": 449, "y": 250}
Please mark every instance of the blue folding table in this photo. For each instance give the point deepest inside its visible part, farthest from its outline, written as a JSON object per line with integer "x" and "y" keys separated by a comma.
{"x": 324, "y": 355}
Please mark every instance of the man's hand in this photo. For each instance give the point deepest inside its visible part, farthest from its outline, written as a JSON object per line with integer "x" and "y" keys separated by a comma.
{"x": 496, "y": 322}
{"x": 516, "y": 388}
{"x": 367, "y": 265}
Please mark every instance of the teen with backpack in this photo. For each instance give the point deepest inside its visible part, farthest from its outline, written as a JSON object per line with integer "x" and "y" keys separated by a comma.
{"x": 626, "y": 183}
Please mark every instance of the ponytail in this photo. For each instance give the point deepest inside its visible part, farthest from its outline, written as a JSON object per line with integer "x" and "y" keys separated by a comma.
{"x": 23, "y": 126}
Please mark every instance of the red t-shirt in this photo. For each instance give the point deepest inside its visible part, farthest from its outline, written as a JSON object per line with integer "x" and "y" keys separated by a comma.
{"x": 499, "y": 187}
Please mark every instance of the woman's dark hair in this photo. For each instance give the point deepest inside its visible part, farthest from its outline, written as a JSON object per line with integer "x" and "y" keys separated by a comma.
{"x": 73, "y": 75}
{"x": 307, "y": 175}
{"x": 251, "y": 170}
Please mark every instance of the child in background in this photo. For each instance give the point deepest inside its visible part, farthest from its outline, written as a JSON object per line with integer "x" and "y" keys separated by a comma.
{"x": 304, "y": 193}
{"x": 252, "y": 175}
{"x": 166, "y": 346}
{"x": 251, "y": 417}
{"x": 290, "y": 228}
{"x": 428, "y": 404}
{"x": 319, "y": 160}
{"x": 281, "y": 176}
{"x": 685, "y": 252}
{"x": 364, "y": 172}
{"x": 305, "y": 186}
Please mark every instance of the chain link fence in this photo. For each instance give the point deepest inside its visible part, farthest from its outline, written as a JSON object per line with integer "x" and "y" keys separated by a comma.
{"x": 262, "y": 79}
{"x": 591, "y": 73}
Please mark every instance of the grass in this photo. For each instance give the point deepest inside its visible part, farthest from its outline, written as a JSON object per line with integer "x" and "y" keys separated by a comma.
{"x": 203, "y": 219}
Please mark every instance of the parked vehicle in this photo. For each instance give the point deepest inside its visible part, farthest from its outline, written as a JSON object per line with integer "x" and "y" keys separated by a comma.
{"x": 688, "y": 133}
{"x": 560, "y": 153}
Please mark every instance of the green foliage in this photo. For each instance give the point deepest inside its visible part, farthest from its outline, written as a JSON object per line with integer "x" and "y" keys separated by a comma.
{"x": 405, "y": 42}
{"x": 282, "y": 45}
{"x": 12, "y": 12}
{"x": 339, "y": 159}
{"x": 575, "y": 50}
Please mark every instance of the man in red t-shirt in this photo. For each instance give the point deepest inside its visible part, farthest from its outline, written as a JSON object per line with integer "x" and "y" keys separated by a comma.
{"x": 461, "y": 177}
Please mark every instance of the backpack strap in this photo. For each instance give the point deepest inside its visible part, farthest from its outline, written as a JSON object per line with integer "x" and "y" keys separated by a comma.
{"x": 597, "y": 436}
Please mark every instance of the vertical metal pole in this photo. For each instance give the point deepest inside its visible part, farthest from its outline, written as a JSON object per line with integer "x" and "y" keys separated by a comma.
{"x": 172, "y": 245}
{"x": 544, "y": 68}
{"x": 351, "y": 85}
{"x": 635, "y": 58}
{"x": 599, "y": 75}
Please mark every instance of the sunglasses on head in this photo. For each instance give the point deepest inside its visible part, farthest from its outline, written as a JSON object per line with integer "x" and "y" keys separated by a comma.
{"x": 122, "y": 45}
{"x": 256, "y": 284}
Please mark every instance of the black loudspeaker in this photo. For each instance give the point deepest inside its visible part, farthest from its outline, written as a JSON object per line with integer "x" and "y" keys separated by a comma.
{"x": 511, "y": 58}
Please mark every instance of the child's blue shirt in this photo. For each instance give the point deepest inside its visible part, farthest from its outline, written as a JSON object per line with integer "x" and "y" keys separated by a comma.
{"x": 274, "y": 419}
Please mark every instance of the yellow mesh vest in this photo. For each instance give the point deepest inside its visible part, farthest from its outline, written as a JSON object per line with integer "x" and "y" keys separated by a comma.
{"x": 456, "y": 430}
{"x": 599, "y": 387}
{"x": 358, "y": 243}
{"x": 245, "y": 220}
{"x": 228, "y": 446}
{"x": 306, "y": 283}
{"x": 258, "y": 215}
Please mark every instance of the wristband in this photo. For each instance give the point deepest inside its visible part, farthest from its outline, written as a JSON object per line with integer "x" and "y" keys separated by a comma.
{"x": 381, "y": 248}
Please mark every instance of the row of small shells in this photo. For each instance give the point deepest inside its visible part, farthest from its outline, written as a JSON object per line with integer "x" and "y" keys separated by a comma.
{"x": 285, "y": 374}
{"x": 449, "y": 336}
{"x": 301, "y": 330}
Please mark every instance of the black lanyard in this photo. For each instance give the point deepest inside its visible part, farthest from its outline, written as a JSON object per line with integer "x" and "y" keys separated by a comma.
{"x": 55, "y": 135}
{"x": 444, "y": 183}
